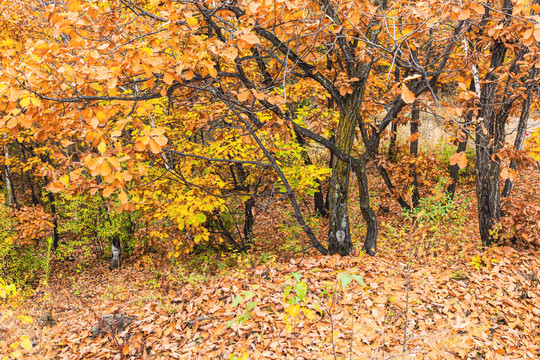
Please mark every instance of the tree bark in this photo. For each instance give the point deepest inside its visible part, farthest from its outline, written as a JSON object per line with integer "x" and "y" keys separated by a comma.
{"x": 55, "y": 221}
{"x": 415, "y": 120}
{"x": 520, "y": 135}
{"x": 370, "y": 243}
{"x": 116, "y": 252}
{"x": 490, "y": 136}
{"x": 339, "y": 232}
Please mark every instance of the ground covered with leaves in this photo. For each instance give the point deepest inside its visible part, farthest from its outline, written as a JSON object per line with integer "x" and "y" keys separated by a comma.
{"x": 431, "y": 292}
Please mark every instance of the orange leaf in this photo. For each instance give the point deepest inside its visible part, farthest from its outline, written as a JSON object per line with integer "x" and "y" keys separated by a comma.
{"x": 123, "y": 197}
{"x": 460, "y": 159}
{"x": 154, "y": 146}
{"x": 413, "y": 137}
{"x": 244, "y": 95}
{"x": 168, "y": 78}
{"x": 407, "y": 95}
{"x": 55, "y": 186}
{"x": 108, "y": 191}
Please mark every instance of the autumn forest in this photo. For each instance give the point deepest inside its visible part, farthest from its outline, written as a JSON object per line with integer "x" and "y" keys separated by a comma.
{"x": 269, "y": 179}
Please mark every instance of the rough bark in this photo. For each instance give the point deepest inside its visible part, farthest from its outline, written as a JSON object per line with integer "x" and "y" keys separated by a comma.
{"x": 50, "y": 195}
{"x": 339, "y": 232}
{"x": 520, "y": 135}
{"x": 116, "y": 252}
{"x": 415, "y": 120}
{"x": 370, "y": 243}
{"x": 490, "y": 136}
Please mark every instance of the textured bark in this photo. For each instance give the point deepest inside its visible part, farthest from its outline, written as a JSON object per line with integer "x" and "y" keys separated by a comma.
{"x": 415, "y": 120}
{"x": 392, "y": 151}
{"x": 462, "y": 146}
{"x": 490, "y": 136}
{"x": 249, "y": 220}
{"x": 520, "y": 135}
{"x": 392, "y": 188}
{"x": 55, "y": 221}
{"x": 339, "y": 232}
{"x": 370, "y": 243}
{"x": 116, "y": 252}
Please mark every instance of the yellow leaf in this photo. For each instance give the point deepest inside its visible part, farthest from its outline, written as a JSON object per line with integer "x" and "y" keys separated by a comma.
{"x": 244, "y": 95}
{"x": 123, "y": 197}
{"x": 26, "y": 344}
{"x": 478, "y": 8}
{"x": 102, "y": 147}
{"x": 104, "y": 168}
{"x": 125, "y": 350}
{"x": 212, "y": 71}
{"x": 154, "y": 146}
{"x": 250, "y": 38}
{"x": 25, "y": 101}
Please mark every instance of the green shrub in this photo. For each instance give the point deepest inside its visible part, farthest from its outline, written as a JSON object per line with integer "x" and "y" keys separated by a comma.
{"x": 94, "y": 224}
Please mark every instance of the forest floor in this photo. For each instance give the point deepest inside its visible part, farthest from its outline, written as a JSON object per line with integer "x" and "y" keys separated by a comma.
{"x": 431, "y": 292}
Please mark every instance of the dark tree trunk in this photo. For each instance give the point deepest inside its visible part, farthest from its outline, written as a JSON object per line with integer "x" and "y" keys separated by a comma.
{"x": 318, "y": 196}
{"x": 248, "y": 222}
{"x": 415, "y": 119}
{"x": 462, "y": 146}
{"x": 116, "y": 253}
{"x": 370, "y": 243}
{"x": 490, "y": 136}
{"x": 464, "y": 138}
{"x": 520, "y": 135}
{"x": 392, "y": 151}
{"x": 55, "y": 221}
{"x": 392, "y": 188}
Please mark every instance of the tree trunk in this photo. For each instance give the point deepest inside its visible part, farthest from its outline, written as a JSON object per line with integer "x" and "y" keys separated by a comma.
{"x": 339, "y": 232}
{"x": 370, "y": 243}
{"x": 392, "y": 188}
{"x": 415, "y": 119}
{"x": 248, "y": 222}
{"x": 393, "y": 139}
{"x": 520, "y": 136}
{"x": 318, "y": 197}
{"x": 490, "y": 136}
{"x": 116, "y": 252}
{"x": 462, "y": 146}
{"x": 55, "y": 221}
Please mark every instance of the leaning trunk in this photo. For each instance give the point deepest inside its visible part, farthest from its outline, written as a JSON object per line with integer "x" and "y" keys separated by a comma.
{"x": 370, "y": 243}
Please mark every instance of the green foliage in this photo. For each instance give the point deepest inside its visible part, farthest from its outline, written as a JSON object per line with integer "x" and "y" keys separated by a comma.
{"x": 89, "y": 218}
{"x": 466, "y": 175}
{"x": 243, "y": 297}
{"x": 20, "y": 264}
{"x": 439, "y": 208}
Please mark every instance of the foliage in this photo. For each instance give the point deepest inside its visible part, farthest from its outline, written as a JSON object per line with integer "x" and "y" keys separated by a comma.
{"x": 94, "y": 221}
{"x": 439, "y": 209}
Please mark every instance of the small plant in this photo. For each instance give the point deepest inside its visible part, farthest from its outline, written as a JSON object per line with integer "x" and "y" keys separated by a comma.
{"x": 480, "y": 261}
{"x": 243, "y": 297}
